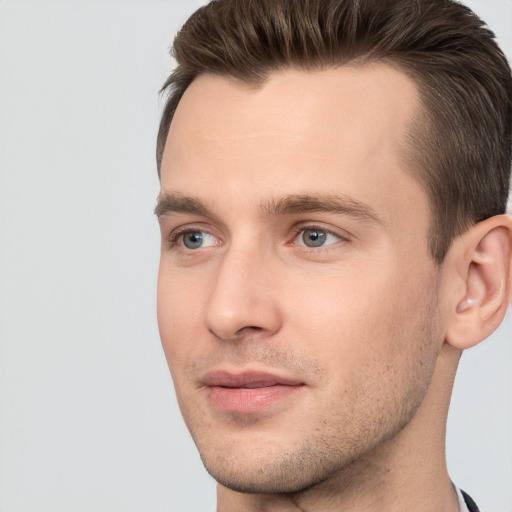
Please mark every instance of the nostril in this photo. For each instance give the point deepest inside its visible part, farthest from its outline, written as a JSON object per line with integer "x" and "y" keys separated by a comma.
{"x": 248, "y": 329}
{"x": 245, "y": 333}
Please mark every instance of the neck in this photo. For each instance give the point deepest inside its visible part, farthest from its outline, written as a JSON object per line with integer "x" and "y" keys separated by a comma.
{"x": 406, "y": 472}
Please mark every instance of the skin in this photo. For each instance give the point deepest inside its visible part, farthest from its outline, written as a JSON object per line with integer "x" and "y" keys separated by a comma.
{"x": 361, "y": 322}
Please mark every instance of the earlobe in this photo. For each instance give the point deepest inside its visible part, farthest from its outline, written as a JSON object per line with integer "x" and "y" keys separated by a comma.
{"x": 484, "y": 260}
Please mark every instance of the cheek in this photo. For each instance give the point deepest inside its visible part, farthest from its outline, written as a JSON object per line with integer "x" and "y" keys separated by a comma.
{"x": 179, "y": 315}
{"x": 367, "y": 317}
{"x": 373, "y": 343}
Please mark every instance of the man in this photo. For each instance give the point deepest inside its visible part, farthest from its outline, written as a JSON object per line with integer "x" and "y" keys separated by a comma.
{"x": 334, "y": 180}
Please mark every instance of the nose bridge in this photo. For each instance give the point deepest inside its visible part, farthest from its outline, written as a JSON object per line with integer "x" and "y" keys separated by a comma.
{"x": 243, "y": 294}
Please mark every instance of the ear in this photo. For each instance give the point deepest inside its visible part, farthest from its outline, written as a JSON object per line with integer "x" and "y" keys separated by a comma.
{"x": 482, "y": 261}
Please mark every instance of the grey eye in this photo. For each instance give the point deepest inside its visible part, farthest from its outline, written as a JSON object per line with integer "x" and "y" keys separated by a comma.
{"x": 198, "y": 240}
{"x": 193, "y": 239}
{"x": 314, "y": 237}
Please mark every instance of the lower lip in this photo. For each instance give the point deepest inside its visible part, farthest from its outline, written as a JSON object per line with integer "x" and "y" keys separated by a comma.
{"x": 245, "y": 400}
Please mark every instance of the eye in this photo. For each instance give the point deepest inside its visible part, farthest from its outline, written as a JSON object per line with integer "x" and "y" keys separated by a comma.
{"x": 315, "y": 237}
{"x": 197, "y": 239}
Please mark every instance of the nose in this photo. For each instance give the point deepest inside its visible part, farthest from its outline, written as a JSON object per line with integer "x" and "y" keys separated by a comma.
{"x": 243, "y": 302}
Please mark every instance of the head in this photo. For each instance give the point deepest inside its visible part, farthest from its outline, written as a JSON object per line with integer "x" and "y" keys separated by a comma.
{"x": 334, "y": 175}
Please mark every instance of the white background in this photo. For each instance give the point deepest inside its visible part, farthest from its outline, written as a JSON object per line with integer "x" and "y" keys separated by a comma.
{"x": 88, "y": 416}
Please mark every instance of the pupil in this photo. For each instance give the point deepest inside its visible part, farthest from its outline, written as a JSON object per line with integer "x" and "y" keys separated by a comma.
{"x": 193, "y": 240}
{"x": 314, "y": 237}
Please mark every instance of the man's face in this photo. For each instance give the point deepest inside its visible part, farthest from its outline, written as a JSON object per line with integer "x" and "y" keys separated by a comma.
{"x": 296, "y": 298}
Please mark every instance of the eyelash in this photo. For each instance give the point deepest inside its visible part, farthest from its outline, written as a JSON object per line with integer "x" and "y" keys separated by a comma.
{"x": 175, "y": 235}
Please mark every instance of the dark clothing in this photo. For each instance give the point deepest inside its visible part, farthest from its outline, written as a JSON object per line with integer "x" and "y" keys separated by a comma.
{"x": 469, "y": 502}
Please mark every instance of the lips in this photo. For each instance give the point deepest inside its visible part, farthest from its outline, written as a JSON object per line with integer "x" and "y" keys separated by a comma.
{"x": 248, "y": 392}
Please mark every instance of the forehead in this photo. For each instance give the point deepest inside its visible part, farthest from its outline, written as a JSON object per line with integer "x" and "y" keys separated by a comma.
{"x": 346, "y": 110}
{"x": 374, "y": 100}
{"x": 335, "y": 130}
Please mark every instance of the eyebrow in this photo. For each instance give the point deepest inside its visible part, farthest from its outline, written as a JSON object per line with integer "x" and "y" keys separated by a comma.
{"x": 178, "y": 203}
{"x": 339, "y": 204}
{"x": 294, "y": 204}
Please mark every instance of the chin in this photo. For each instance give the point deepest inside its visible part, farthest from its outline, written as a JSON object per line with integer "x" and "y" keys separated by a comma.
{"x": 272, "y": 470}
{"x": 265, "y": 480}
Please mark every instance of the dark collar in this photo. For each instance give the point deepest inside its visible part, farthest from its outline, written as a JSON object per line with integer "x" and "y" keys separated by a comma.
{"x": 469, "y": 502}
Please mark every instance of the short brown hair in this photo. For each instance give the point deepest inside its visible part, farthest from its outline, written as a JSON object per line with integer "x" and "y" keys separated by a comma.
{"x": 459, "y": 147}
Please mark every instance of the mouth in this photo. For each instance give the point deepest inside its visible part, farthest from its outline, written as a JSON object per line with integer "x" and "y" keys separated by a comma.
{"x": 248, "y": 392}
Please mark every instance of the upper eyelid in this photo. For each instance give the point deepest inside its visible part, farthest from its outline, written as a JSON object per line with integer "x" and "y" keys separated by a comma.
{"x": 319, "y": 228}
{"x": 190, "y": 226}
{"x": 177, "y": 232}
{"x": 339, "y": 232}
{"x": 171, "y": 220}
